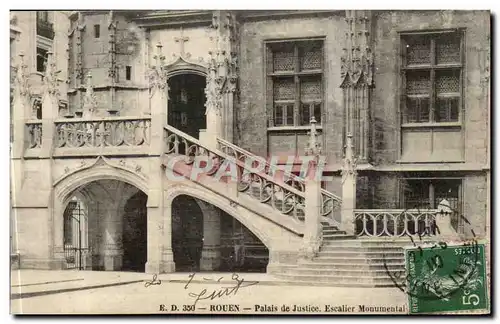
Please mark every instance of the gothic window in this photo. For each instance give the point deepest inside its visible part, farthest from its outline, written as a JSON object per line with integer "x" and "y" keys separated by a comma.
{"x": 295, "y": 78}
{"x": 432, "y": 77}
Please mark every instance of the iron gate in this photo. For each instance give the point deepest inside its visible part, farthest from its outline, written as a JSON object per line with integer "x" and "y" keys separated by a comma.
{"x": 75, "y": 253}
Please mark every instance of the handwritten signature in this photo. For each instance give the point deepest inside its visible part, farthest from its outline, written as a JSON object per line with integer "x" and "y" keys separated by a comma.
{"x": 153, "y": 282}
{"x": 220, "y": 292}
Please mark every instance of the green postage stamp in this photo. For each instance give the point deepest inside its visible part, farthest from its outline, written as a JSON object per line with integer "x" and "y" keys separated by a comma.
{"x": 442, "y": 278}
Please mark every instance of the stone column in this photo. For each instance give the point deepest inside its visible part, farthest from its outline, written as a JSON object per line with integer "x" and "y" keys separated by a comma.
{"x": 167, "y": 257}
{"x": 313, "y": 228}
{"x": 357, "y": 80}
{"x": 210, "y": 254}
{"x": 348, "y": 222}
{"x": 112, "y": 238}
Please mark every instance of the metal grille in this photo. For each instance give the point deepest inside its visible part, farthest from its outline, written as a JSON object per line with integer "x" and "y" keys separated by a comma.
{"x": 310, "y": 59}
{"x": 283, "y": 61}
{"x": 448, "y": 49}
{"x": 284, "y": 89}
{"x": 418, "y": 82}
{"x": 310, "y": 89}
{"x": 418, "y": 51}
{"x": 448, "y": 81}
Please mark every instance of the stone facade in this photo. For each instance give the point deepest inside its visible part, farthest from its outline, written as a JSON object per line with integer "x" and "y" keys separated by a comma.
{"x": 110, "y": 70}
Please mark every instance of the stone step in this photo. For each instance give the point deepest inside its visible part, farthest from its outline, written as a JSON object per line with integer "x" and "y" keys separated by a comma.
{"x": 331, "y": 237}
{"x": 360, "y": 249}
{"x": 341, "y": 281}
{"x": 352, "y": 265}
{"x": 366, "y": 254}
{"x": 332, "y": 232}
{"x": 376, "y": 273}
{"x": 357, "y": 259}
{"x": 376, "y": 243}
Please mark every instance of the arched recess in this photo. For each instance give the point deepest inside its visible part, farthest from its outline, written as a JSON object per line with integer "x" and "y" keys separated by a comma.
{"x": 181, "y": 66}
{"x": 243, "y": 216}
{"x": 65, "y": 188}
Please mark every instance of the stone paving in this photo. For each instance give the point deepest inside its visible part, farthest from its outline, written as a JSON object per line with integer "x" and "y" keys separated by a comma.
{"x": 86, "y": 292}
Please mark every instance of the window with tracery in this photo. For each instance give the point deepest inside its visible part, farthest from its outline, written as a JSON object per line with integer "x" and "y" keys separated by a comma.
{"x": 432, "y": 77}
{"x": 295, "y": 82}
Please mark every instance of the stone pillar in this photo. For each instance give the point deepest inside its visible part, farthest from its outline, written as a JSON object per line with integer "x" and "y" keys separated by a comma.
{"x": 357, "y": 80}
{"x": 167, "y": 257}
{"x": 158, "y": 101}
{"x": 50, "y": 106}
{"x": 112, "y": 238}
{"x": 349, "y": 174}
{"x": 313, "y": 228}
{"x": 211, "y": 254}
{"x": 222, "y": 79}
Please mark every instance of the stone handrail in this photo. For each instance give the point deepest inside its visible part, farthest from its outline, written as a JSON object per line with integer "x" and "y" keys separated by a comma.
{"x": 397, "y": 222}
{"x": 329, "y": 201}
{"x": 103, "y": 132}
{"x": 280, "y": 196}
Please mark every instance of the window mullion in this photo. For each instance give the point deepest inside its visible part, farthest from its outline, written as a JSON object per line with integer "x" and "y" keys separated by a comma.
{"x": 432, "y": 103}
{"x": 296, "y": 109}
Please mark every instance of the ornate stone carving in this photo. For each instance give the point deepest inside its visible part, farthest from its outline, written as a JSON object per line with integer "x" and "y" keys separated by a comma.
{"x": 223, "y": 60}
{"x": 50, "y": 79}
{"x": 112, "y": 26}
{"x": 357, "y": 57}
{"x": 157, "y": 74}
{"x": 349, "y": 162}
{"x": 313, "y": 148}
{"x": 21, "y": 79}
{"x": 90, "y": 100}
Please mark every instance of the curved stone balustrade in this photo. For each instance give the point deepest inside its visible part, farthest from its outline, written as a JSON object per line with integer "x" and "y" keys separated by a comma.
{"x": 330, "y": 201}
{"x": 34, "y": 134}
{"x": 282, "y": 197}
{"x": 396, "y": 222}
{"x": 108, "y": 132}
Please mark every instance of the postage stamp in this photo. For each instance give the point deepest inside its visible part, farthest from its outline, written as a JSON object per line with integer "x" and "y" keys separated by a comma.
{"x": 449, "y": 278}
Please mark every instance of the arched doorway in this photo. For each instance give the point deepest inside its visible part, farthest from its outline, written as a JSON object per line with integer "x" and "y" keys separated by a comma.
{"x": 206, "y": 238}
{"x": 105, "y": 227}
{"x": 187, "y": 233}
{"x": 186, "y": 105}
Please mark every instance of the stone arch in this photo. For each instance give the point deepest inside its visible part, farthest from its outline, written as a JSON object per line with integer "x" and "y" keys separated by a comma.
{"x": 220, "y": 202}
{"x": 181, "y": 66}
{"x": 65, "y": 187}
{"x": 69, "y": 184}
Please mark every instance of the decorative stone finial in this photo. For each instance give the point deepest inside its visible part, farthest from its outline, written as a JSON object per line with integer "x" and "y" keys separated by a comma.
{"x": 350, "y": 162}
{"x": 50, "y": 79}
{"x": 22, "y": 76}
{"x": 90, "y": 100}
{"x": 313, "y": 147}
{"x": 157, "y": 75}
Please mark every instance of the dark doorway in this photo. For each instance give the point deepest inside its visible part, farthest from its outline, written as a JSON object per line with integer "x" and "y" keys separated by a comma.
{"x": 186, "y": 105}
{"x": 187, "y": 233}
{"x": 134, "y": 237}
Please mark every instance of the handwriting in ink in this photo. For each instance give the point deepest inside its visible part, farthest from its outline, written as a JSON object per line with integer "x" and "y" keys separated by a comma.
{"x": 220, "y": 292}
{"x": 153, "y": 282}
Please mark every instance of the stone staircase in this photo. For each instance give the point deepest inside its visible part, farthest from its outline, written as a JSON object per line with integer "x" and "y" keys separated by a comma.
{"x": 349, "y": 262}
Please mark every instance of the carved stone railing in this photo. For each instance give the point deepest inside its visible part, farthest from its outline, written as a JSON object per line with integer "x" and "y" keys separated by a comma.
{"x": 396, "y": 222}
{"x": 34, "y": 131}
{"x": 280, "y": 196}
{"x": 103, "y": 132}
{"x": 330, "y": 201}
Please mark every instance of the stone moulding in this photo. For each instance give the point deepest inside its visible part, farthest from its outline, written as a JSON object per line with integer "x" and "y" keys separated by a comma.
{"x": 122, "y": 164}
